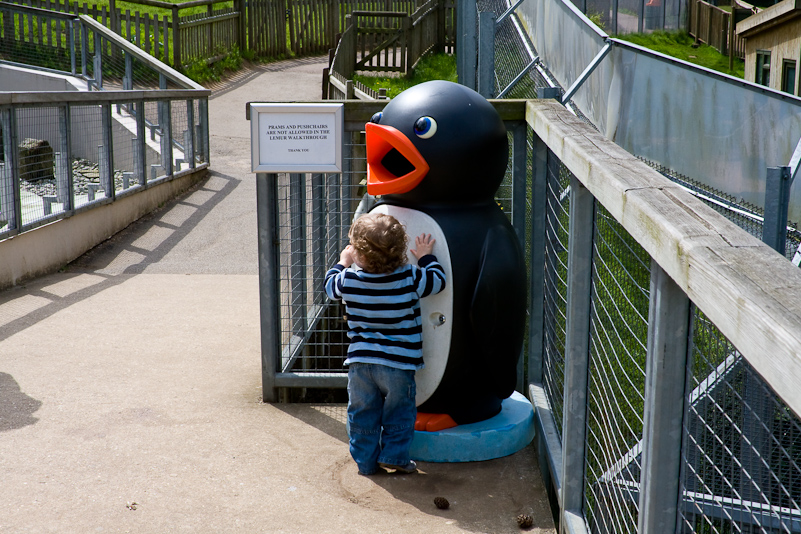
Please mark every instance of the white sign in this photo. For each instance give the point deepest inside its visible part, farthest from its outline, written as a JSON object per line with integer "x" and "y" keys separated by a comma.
{"x": 296, "y": 137}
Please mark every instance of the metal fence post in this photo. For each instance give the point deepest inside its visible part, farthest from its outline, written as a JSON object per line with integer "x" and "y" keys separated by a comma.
{"x": 84, "y": 49}
{"x": 10, "y": 192}
{"x": 665, "y": 381}
{"x": 777, "y": 200}
{"x": 519, "y": 132}
{"x": 190, "y": 142}
{"x": 536, "y": 312}
{"x": 127, "y": 79}
{"x": 486, "y": 54}
{"x": 577, "y": 349}
{"x": 98, "y": 61}
{"x": 71, "y": 44}
{"x": 269, "y": 270}
{"x": 140, "y": 153}
{"x": 203, "y": 109}
{"x": 165, "y": 124}
{"x": 107, "y": 167}
{"x": 65, "y": 191}
{"x": 466, "y": 46}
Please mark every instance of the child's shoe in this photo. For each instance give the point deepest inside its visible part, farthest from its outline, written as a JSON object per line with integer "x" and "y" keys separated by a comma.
{"x": 411, "y": 467}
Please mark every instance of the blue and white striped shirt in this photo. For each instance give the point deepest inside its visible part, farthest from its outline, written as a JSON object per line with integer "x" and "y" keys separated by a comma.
{"x": 384, "y": 322}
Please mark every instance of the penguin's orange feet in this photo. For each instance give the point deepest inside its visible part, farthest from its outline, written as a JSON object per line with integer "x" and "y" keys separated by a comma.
{"x": 432, "y": 422}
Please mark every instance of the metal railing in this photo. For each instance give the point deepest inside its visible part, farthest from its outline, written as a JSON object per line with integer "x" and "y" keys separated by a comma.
{"x": 63, "y": 152}
{"x": 657, "y": 336}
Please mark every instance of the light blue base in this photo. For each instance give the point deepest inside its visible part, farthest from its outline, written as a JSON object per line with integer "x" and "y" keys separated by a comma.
{"x": 502, "y": 435}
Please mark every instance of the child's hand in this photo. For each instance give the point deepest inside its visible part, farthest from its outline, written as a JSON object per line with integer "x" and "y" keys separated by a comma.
{"x": 346, "y": 256}
{"x": 424, "y": 244}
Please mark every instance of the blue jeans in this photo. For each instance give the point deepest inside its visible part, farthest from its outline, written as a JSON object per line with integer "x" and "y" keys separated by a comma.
{"x": 381, "y": 414}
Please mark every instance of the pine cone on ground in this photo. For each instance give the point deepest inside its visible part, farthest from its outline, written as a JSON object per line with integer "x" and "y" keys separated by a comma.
{"x": 525, "y": 521}
{"x": 441, "y": 503}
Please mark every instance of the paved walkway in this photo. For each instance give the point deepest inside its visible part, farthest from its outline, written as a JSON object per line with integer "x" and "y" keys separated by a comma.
{"x": 130, "y": 386}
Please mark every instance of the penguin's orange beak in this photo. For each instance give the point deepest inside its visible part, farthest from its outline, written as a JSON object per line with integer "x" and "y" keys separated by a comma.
{"x": 388, "y": 147}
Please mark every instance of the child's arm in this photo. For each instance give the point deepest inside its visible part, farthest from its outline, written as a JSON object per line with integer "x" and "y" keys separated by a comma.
{"x": 333, "y": 283}
{"x": 346, "y": 256}
{"x": 430, "y": 278}
{"x": 424, "y": 244}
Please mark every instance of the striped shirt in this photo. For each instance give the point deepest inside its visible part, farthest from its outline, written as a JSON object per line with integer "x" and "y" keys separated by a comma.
{"x": 384, "y": 322}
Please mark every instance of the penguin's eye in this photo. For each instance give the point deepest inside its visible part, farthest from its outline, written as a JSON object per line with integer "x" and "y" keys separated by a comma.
{"x": 425, "y": 127}
{"x": 376, "y": 118}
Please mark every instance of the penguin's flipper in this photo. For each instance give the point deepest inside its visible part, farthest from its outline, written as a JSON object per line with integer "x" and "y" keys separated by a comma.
{"x": 498, "y": 309}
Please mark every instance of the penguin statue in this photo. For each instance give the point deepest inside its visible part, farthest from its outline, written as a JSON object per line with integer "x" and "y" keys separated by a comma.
{"x": 436, "y": 155}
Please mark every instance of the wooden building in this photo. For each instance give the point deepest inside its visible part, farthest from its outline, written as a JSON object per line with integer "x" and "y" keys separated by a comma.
{"x": 773, "y": 46}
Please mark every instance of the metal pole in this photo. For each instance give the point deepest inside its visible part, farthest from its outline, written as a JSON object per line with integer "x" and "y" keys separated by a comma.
{"x": 577, "y": 350}
{"x": 586, "y": 74}
{"x": 11, "y": 208}
{"x": 641, "y": 16}
{"x": 84, "y": 49}
{"x": 98, "y": 61}
{"x": 269, "y": 269}
{"x": 107, "y": 168}
{"x": 519, "y": 132}
{"x": 165, "y": 124}
{"x": 486, "y": 54}
{"x": 140, "y": 154}
{"x": 127, "y": 80}
{"x": 614, "y": 16}
{"x": 67, "y": 194}
{"x": 71, "y": 44}
{"x": 777, "y": 201}
{"x": 189, "y": 151}
{"x": 466, "y": 43}
{"x": 203, "y": 109}
{"x": 536, "y": 312}
{"x": 665, "y": 381}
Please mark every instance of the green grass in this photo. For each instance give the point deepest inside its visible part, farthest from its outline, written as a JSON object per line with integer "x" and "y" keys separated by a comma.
{"x": 201, "y": 72}
{"x": 430, "y": 67}
{"x": 680, "y": 46}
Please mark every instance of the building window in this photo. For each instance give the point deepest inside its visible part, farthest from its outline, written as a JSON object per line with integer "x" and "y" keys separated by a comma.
{"x": 763, "y": 67}
{"x": 788, "y": 76}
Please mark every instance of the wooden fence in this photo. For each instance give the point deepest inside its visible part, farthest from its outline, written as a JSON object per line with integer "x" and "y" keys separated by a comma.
{"x": 205, "y": 30}
{"x": 715, "y": 27}
{"x": 386, "y": 41}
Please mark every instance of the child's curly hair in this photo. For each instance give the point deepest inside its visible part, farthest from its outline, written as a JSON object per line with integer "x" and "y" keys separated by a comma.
{"x": 380, "y": 240}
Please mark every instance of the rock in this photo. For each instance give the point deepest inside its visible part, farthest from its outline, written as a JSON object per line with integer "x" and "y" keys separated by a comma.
{"x": 36, "y": 160}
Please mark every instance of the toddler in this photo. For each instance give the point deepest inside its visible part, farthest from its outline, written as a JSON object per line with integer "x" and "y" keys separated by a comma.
{"x": 382, "y": 293}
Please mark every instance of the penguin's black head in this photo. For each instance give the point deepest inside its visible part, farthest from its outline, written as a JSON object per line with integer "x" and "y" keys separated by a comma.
{"x": 437, "y": 142}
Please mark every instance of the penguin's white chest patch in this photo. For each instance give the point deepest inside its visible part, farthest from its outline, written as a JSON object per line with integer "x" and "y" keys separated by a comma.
{"x": 436, "y": 310}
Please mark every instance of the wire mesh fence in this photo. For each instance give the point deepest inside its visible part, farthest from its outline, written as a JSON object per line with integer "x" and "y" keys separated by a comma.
{"x": 315, "y": 213}
{"x": 741, "y": 455}
{"x": 618, "y": 333}
{"x": 38, "y": 37}
{"x": 555, "y": 280}
{"x": 59, "y": 156}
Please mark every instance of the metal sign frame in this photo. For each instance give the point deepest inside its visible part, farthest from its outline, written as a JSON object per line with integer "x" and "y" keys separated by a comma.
{"x": 296, "y": 138}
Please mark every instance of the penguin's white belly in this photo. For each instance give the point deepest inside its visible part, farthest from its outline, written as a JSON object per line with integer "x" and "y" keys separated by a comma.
{"x": 436, "y": 310}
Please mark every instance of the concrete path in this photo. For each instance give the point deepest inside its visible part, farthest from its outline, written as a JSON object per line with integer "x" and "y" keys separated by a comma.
{"x": 130, "y": 387}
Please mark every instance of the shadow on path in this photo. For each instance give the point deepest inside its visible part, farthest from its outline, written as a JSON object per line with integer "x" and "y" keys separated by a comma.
{"x": 16, "y": 408}
{"x": 26, "y": 305}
